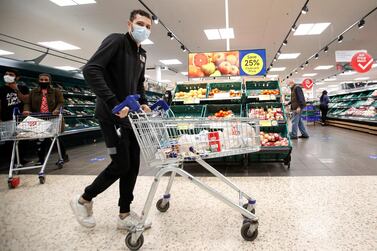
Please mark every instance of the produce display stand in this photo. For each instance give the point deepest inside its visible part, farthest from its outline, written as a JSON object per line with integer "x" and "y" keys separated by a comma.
{"x": 239, "y": 97}
{"x": 354, "y": 109}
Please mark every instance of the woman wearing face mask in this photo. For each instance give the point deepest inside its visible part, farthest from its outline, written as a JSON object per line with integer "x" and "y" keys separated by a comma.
{"x": 45, "y": 99}
{"x": 10, "y": 95}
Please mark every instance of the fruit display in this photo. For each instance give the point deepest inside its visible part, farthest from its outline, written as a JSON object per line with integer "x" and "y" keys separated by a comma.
{"x": 199, "y": 93}
{"x": 269, "y": 92}
{"x": 272, "y": 139}
{"x": 213, "y": 64}
{"x": 230, "y": 93}
{"x": 369, "y": 112}
{"x": 266, "y": 113}
{"x": 374, "y": 93}
{"x": 223, "y": 114}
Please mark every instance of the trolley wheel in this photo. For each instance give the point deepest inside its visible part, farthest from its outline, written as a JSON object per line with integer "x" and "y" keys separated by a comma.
{"x": 60, "y": 164}
{"x": 161, "y": 208}
{"x": 252, "y": 210}
{"x": 42, "y": 179}
{"x": 247, "y": 234}
{"x": 134, "y": 246}
{"x": 13, "y": 182}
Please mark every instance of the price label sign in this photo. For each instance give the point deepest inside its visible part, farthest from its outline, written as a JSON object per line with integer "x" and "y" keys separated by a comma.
{"x": 265, "y": 122}
{"x": 264, "y": 97}
{"x": 191, "y": 101}
{"x": 253, "y": 62}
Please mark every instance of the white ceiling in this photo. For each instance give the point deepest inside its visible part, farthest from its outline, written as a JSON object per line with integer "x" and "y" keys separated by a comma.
{"x": 257, "y": 24}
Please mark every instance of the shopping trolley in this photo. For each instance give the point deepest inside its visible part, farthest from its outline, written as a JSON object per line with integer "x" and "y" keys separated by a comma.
{"x": 36, "y": 126}
{"x": 166, "y": 142}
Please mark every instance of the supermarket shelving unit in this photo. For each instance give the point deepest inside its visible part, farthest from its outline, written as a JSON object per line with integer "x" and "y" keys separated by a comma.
{"x": 354, "y": 109}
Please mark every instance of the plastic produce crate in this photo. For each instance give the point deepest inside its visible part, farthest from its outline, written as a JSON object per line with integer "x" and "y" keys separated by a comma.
{"x": 253, "y": 86}
{"x": 225, "y": 87}
{"x": 265, "y": 105}
{"x": 212, "y": 109}
{"x": 189, "y": 110}
{"x": 190, "y": 87}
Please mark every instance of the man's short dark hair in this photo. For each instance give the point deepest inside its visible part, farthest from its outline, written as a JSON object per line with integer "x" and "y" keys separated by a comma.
{"x": 46, "y": 75}
{"x": 13, "y": 71}
{"x": 140, "y": 12}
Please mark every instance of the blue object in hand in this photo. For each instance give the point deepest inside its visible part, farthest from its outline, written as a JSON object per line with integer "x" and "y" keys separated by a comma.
{"x": 131, "y": 102}
{"x": 160, "y": 103}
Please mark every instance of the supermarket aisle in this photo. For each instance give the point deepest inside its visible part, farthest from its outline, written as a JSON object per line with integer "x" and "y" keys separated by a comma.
{"x": 296, "y": 213}
{"x": 329, "y": 151}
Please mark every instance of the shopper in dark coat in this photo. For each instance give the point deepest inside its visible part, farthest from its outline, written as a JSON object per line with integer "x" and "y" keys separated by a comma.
{"x": 297, "y": 105}
{"x": 45, "y": 99}
{"x": 324, "y": 106}
{"x": 115, "y": 71}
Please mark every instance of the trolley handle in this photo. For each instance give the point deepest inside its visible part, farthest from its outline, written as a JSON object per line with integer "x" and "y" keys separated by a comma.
{"x": 132, "y": 103}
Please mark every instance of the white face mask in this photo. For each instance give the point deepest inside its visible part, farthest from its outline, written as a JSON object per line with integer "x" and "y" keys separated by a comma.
{"x": 9, "y": 79}
{"x": 140, "y": 33}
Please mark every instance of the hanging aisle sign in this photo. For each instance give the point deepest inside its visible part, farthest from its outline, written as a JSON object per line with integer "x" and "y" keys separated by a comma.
{"x": 229, "y": 63}
{"x": 362, "y": 62}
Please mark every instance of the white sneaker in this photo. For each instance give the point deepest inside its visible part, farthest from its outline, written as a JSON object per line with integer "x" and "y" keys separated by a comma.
{"x": 83, "y": 213}
{"x": 132, "y": 220}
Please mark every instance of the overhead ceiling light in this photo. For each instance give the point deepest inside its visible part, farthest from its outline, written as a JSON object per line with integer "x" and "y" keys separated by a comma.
{"x": 340, "y": 39}
{"x": 361, "y": 24}
{"x": 3, "y": 53}
{"x": 272, "y": 65}
{"x": 72, "y": 2}
{"x": 309, "y": 74}
{"x": 290, "y": 74}
{"x": 275, "y": 59}
{"x": 59, "y": 45}
{"x": 323, "y": 67}
{"x": 306, "y": 63}
{"x": 185, "y": 73}
{"x": 330, "y": 79}
{"x": 302, "y": 67}
{"x": 278, "y": 69}
{"x": 362, "y": 78}
{"x": 296, "y": 71}
{"x": 278, "y": 53}
{"x": 348, "y": 73}
{"x": 212, "y": 34}
{"x": 170, "y": 61}
{"x": 294, "y": 27}
{"x": 155, "y": 19}
{"x": 226, "y": 33}
{"x": 147, "y": 42}
{"x": 289, "y": 55}
{"x": 183, "y": 48}
{"x": 316, "y": 56}
{"x": 66, "y": 68}
{"x": 304, "y": 10}
{"x": 170, "y": 35}
{"x": 272, "y": 76}
{"x": 285, "y": 42}
{"x": 326, "y": 49}
{"x": 165, "y": 81}
{"x": 311, "y": 29}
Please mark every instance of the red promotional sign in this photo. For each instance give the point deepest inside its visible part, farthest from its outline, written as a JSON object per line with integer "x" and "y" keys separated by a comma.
{"x": 362, "y": 62}
{"x": 307, "y": 83}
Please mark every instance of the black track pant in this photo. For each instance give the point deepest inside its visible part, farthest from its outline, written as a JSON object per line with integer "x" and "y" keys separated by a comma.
{"x": 324, "y": 110}
{"x": 125, "y": 160}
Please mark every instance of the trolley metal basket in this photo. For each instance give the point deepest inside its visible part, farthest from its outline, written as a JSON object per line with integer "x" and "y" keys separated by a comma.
{"x": 167, "y": 142}
{"x": 36, "y": 126}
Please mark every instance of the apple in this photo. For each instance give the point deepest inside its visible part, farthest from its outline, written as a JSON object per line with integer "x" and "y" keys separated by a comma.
{"x": 216, "y": 74}
{"x": 218, "y": 58}
{"x": 225, "y": 67}
{"x": 234, "y": 71}
{"x": 232, "y": 59}
{"x": 208, "y": 69}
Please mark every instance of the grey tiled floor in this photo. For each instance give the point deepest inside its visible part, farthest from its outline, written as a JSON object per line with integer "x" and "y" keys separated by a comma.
{"x": 330, "y": 151}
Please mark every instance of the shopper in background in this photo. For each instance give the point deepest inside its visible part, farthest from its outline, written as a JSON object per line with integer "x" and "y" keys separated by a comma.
{"x": 297, "y": 105}
{"x": 115, "y": 71}
{"x": 324, "y": 106}
{"x": 45, "y": 99}
{"x": 12, "y": 96}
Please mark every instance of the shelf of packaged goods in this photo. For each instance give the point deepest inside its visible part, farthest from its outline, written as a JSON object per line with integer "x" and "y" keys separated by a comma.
{"x": 78, "y": 94}
{"x": 80, "y": 105}
{"x": 81, "y": 130}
